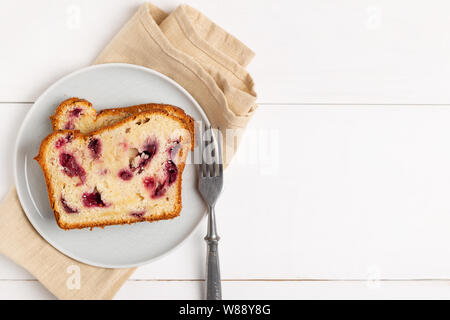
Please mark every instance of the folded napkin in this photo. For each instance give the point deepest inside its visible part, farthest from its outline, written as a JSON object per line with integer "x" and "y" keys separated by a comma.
{"x": 204, "y": 59}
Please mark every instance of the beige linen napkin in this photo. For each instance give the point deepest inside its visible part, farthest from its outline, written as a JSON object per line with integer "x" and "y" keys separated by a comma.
{"x": 203, "y": 58}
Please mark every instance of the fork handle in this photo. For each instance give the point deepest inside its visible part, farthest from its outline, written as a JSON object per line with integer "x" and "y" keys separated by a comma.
{"x": 213, "y": 284}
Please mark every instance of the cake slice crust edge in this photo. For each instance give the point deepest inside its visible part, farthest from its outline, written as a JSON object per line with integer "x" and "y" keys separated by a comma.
{"x": 115, "y": 114}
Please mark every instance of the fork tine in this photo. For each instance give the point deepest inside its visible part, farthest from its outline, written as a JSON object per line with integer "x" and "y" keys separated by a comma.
{"x": 208, "y": 152}
{"x": 219, "y": 152}
{"x": 201, "y": 164}
{"x": 214, "y": 154}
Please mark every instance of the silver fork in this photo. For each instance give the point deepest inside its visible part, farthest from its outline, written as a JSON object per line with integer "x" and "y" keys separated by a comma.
{"x": 210, "y": 185}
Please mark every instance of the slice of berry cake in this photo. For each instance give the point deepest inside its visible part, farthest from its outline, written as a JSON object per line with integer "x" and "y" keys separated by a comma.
{"x": 78, "y": 114}
{"x": 126, "y": 172}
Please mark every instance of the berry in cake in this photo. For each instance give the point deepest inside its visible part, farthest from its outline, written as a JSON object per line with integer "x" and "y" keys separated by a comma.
{"x": 125, "y": 174}
{"x": 95, "y": 146}
{"x": 66, "y": 207}
{"x": 70, "y": 166}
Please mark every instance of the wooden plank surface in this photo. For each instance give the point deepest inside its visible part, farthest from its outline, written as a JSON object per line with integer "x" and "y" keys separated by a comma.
{"x": 307, "y": 51}
{"x": 263, "y": 290}
{"x": 343, "y": 173}
{"x": 333, "y": 192}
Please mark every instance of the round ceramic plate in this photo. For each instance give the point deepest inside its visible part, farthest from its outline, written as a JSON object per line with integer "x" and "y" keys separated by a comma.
{"x": 121, "y": 246}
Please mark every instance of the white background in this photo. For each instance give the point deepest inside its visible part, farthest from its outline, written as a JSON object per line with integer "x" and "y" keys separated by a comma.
{"x": 341, "y": 188}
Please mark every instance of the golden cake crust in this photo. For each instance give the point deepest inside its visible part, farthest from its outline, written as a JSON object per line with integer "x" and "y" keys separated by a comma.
{"x": 117, "y": 114}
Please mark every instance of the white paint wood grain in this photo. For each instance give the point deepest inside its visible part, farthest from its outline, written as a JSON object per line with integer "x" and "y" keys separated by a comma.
{"x": 307, "y": 51}
{"x": 263, "y": 290}
{"x": 331, "y": 192}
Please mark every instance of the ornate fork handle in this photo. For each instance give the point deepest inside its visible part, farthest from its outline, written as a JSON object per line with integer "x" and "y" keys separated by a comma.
{"x": 213, "y": 284}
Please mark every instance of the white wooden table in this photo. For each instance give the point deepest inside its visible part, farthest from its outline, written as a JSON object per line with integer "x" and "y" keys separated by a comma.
{"x": 341, "y": 188}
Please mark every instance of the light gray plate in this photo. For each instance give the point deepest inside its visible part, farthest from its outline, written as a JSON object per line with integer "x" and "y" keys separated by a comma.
{"x": 105, "y": 86}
